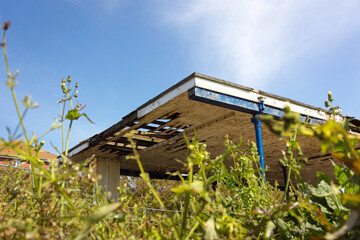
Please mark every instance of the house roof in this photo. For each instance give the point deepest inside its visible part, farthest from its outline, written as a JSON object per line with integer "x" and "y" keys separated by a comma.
{"x": 214, "y": 108}
{"x": 8, "y": 151}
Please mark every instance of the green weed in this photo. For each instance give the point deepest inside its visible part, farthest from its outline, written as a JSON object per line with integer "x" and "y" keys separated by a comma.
{"x": 212, "y": 202}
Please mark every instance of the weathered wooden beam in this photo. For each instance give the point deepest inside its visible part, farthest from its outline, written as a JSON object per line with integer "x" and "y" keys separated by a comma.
{"x": 138, "y": 142}
{"x": 117, "y": 148}
{"x": 152, "y": 175}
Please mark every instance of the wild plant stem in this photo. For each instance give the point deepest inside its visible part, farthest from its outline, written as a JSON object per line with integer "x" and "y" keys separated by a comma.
{"x": 67, "y": 138}
{"x": 147, "y": 180}
{"x": 287, "y": 184}
{"x": 62, "y": 127}
{"x": 187, "y": 201}
{"x": 48, "y": 174}
{"x": 11, "y": 84}
{"x": 186, "y": 208}
{"x": 45, "y": 133}
{"x": 192, "y": 231}
{"x": 18, "y": 125}
{"x": 5, "y": 55}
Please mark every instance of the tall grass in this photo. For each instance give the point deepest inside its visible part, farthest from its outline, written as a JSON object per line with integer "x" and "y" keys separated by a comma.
{"x": 213, "y": 202}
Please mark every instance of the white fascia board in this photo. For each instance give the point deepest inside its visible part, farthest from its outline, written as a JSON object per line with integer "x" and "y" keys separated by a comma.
{"x": 166, "y": 97}
{"x": 78, "y": 149}
{"x": 254, "y": 96}
{"x": 8, "y": 157}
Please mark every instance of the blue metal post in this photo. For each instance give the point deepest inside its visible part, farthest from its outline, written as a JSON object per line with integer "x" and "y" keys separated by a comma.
{"x": 257, "y": 123}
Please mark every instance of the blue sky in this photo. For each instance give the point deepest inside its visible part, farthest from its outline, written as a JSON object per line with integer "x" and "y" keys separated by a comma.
{"x": 125, "y": 52}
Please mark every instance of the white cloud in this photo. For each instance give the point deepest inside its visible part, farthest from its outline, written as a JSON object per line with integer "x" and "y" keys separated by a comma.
{"x": 253, "y": 40}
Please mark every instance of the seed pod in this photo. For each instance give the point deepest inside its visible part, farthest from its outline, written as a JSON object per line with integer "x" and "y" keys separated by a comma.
{"x": 327, "y": 104}
{"x": 288, "y": 151}
{"x": 299, "y": 152}
{"x": 6, "y": 25}
{"x": 282, "y": 163}
{"x": 330, "y": 97}
{"x": 63, "y": 87}
{"x": 304, "y": 160}
{"x": 69, "y": 79}
{"x": 76, "y": 85}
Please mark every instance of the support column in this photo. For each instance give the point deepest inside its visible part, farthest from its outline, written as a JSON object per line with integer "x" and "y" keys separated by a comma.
{"x": 257, "y": 123}
{"x": 110, "y": 175}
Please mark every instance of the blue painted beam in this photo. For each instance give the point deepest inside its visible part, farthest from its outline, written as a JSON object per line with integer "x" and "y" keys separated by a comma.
{"x": 240, "y": 104}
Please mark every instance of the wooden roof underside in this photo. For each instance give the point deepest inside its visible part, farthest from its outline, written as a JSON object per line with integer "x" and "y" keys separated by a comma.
{"x": 159, "y": 138}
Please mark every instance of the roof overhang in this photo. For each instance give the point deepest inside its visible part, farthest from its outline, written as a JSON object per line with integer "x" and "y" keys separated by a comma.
{"x": 213, "y": 108}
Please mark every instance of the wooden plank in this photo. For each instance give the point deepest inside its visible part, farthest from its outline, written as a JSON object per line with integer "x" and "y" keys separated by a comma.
{"x": 113, "y": 129}
{"x": 157, "y": 135}
{"x": 145, "y": 126}
{"x": 138, "y": 142}
{"x": 117, "y": 148}
{"x": 172, "y": 128}
{"x": 172, "y": 118}
{"x": 190, "y": 131}
{"x": 156, "y": 122}
{"x": 177, "y": 128}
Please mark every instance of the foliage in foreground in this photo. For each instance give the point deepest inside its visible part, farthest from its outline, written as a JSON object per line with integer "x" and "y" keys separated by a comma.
{"x": 213, "y": 202}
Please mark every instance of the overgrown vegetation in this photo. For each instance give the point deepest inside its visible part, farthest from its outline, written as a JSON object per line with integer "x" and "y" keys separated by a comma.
{"x": 213, "y": 202}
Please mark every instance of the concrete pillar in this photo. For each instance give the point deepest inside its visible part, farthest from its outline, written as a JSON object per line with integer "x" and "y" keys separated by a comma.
{"x": 110, "y": 171}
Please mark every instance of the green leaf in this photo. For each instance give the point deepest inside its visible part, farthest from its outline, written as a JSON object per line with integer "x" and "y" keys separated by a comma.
{"x": 351, "y": 221}
{"x": 86, "y": 116}
{"x": 196, "y": 186}
{"x": 321, "y": 190}
{"x": 322, "y": 177}
{"x": 181, "y": 189}
{"x": 352, "y": 163}
{"x": 209, "y": 229}
{"x": 269, "y": 229}
{"x": 293, "y": 144}
{"x": 351, "y": 200}
{"x": 340, "y": 174}
{"x": 306, "y": 131}
{"x": 223, "y": 169}
{"x": 99, "y": 214}
{"x": 73, "y": 114}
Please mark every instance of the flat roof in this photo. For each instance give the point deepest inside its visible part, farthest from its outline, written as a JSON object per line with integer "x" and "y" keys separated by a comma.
{"x": 214, "y": 108}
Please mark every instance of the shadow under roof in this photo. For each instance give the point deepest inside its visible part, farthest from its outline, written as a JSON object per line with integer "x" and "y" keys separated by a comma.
{"x": 212, "y": 107}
